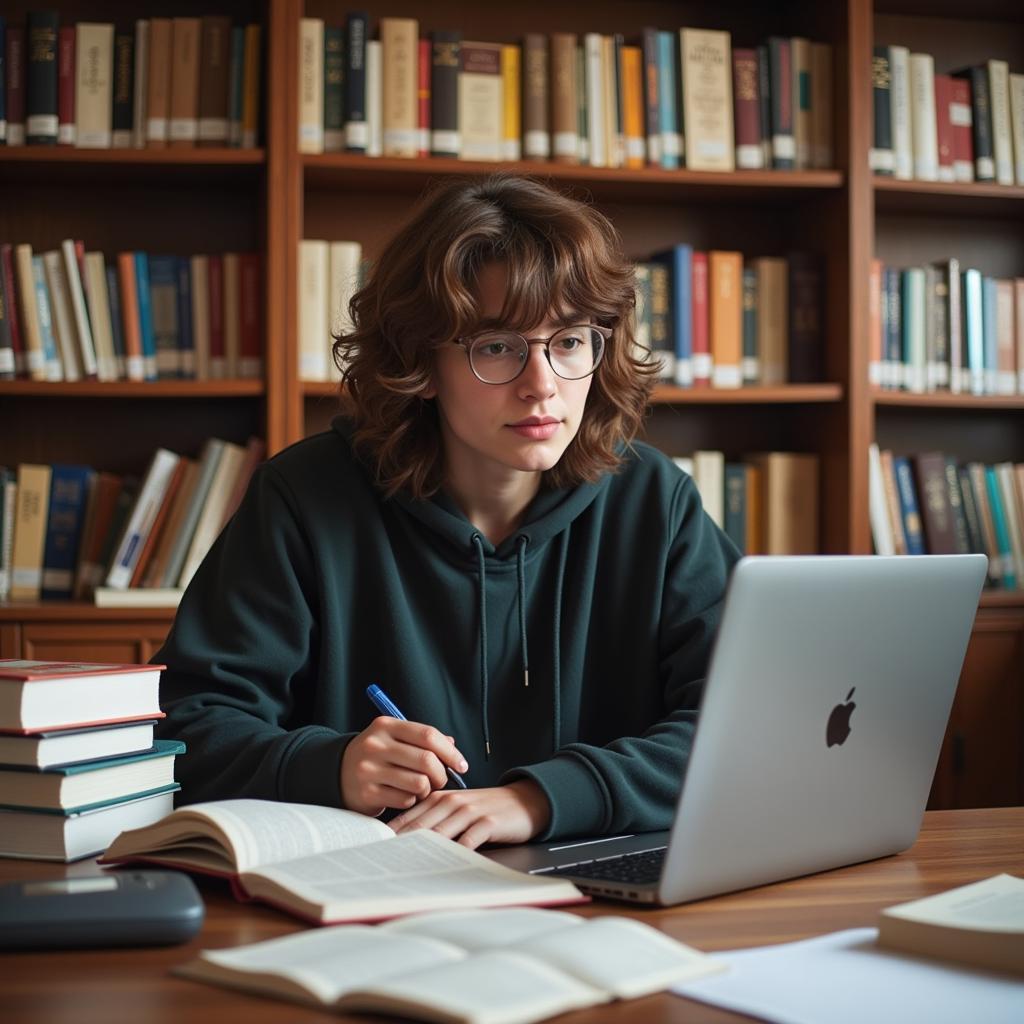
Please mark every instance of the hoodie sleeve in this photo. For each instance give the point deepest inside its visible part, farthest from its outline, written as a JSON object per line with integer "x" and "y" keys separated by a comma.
{"x": 632, "y": 783}
{"x": 242, "y": 663}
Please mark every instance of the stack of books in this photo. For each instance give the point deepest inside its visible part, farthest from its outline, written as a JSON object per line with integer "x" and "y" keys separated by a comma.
{"x": 78, "y": 762}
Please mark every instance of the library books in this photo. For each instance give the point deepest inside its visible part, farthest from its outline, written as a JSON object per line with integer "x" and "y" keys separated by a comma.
{"x": 329, "y": 274}
{"x": 679, "y": 98}
{"x": 509, "y": 966}
{"x": 327, "y": 865}
{"x": 53, "y": 747}
{"x": 36, "y": 696}
{"x": 981, "y": 924}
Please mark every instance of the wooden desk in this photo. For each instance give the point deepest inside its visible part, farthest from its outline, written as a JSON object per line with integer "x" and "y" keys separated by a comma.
{"x": 80, "y": 987}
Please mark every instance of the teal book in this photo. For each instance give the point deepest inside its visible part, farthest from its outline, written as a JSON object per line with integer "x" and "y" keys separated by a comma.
{"x": 668, "y": 89}
{"x": 736, "y": 504}
{"x": 1008, "y": 576}
{"x": 751, "y": 357}
{"x": 74, "y": 788}
{"x": 146, "y": 331}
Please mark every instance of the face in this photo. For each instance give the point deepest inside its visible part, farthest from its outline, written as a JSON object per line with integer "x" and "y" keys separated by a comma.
{"x": 520, "y": 427}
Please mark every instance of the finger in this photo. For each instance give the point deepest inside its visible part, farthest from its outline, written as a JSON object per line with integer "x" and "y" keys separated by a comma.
{"x": 443, "y": 747}
{"x": 456, "y": 823}
{"x": 416, "y": 761}
{"x": 409, "y": 783}
{"x": 480, "y": 832}
{"x": 427, "y": 813}
{"x": 388, "y": 796}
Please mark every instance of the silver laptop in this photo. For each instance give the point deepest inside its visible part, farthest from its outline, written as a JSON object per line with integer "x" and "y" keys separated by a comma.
{"x": 823, "y": 713}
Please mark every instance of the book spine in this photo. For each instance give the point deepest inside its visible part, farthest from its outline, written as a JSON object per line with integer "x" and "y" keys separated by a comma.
{"x": 961, "y": 120}
{"x": 93, "y": 92}
{"x": 214, "y": 81}
{"x": 183, "y": 125}
{"x": 972, "y": 522}
{"x": 1017, "y": 123}
{"x": 18, "y": 341}
{"x": 199, "y": 267}
{"x": 735, "y": 511}
{"x": 990, "y": 334}
{"x": 749, "y": 149}
{"x": 582, "y": 120}
{"x": 7, "y": 362}
{"x": 633, "y": 106}
{"x": 703, "y": 368}
{"x": 158, "y": 94}
{"x": 375, "y": 98}
{"x": 652, "y": 112}
{"x": 83, "y": 328}
{"x": 536, "y": 97}
{"x": 123, "y": 90}
{"x": 511, "y": 89}
{"x": 54, "y": 368}
{"x": 681, "y": 301}
{"x": 800, "y": 57}
{"x": 215, "y": 290}
{"x": 1008, "y": 575}
{"x": 902, "y": 142}
{"x": 116, "y": 322}
{"x": 936, "y": 510}
{"x": 60, "y": 311}
{"x": 251, "y": 86}
{"x": 806, "y": 303}
{"x": 707, "y": 100}
{"x": 908, "y": 507}
{"x": 236, "y": 86}
{"x": 356, "y": 129}
{"x": 3, "y": 92}
{"x": 981, "y": 123}
{"x": 186, "y": 340}
{"x": 140, "y": 84}
{"x": 232, "y": 315}
{"x": 66, "y": 86}
{"x": 163, "y": 296}
{"x": 127, "y": 289}
{"x": 751, "y": 364}
{"x": 16, "y": 85}
{"x": 669, "y": 78}
{"x": 42, "y": 121}
{"x": 822, "y": 137}
{"x": 250, "y": 319}
{"x": 334, "y": 89}
{"x": 98, "y": 314}
{"x": 311, "y": 85}
{"x": 69, "y": 487}
{"x": 944, "y": 127}
{"x": 445, "y": 139}
{"x": 662, "y": 344}
{"x": 922, "y": 118}
{"x": 147, "y": 335}
{"x": 399, "y": 53}
{"x": 480, "y": 101}
{"x": 999, "y": 100}
{"x": 781, "y": 92}
{"x": 32, "y": 500}
{"x": 564, "y": 131}
{"x": 726, "y": 318}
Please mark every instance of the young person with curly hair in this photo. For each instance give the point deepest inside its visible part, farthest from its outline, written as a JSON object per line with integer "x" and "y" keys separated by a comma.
{"x": 479, "y": 535}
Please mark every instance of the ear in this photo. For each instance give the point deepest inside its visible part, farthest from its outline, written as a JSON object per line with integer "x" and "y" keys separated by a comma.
{"x": 430, "y": 391}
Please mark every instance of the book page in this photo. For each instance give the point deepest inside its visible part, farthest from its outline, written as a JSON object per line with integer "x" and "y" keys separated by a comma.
{"x": 485, "y": 929}
{"x": 994, "y": 904}
{"x": 414, "y": 871}
{"x": 322, "y": 964}
{"x": 497, "y": 987}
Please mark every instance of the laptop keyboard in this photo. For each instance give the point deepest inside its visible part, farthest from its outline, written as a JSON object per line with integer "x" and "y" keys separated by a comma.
{"x": 642, "y": 868}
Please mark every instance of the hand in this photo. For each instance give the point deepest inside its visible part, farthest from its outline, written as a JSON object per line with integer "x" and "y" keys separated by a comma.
{"x": 503, "y": 814}
{"x": 394, "y": 763}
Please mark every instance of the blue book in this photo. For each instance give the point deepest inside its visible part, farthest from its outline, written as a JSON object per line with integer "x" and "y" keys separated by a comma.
{"x": 1008, "y": 576}
{"x": 671, "y": 139}
{"x": 145, "y": 301}
{"x": 974, "y": 329}
{"x": 989, "y": 332}
{"x": 163, "y": 305}
{"x": 186, "y": 343}
{"x": 679, "y": 261}
{"x": 116, "y": 326}
{"x": 235, "y": 86}
{"x": 909, "y": 510}
{"x": 69, "y": 494}
{"x": 51, "y": 355}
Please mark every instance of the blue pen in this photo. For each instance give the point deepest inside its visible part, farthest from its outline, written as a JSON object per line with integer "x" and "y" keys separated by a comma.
{"x": 386, "y": 706}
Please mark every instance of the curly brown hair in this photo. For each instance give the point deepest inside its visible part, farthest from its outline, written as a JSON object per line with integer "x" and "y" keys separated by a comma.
{"x": 560, "y": 254}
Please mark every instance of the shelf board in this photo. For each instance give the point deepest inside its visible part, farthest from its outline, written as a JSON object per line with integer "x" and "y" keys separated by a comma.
{"x": 390, "y": 174}
{"x": 77, "y": 611}
{"x": 132, "y": 389}
{"x": 957, "y": 198}
{"x": 1002, "y": 599}
{"x": 945, "y": 400}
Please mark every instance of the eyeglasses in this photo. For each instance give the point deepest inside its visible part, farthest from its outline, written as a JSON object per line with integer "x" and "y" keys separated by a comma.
{"x": 498, "y": 357}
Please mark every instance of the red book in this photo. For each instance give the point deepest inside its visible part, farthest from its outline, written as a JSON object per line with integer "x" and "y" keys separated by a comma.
{"x": 961, "y": 121}
{"x": 17, "y": 345}
{"x": 701, "y": 339}
{"x": 747, "y": 100}
{"x": 218, "y": 356}
{"x": 16, "y": 69}
{"x": 250, "y": 319}
{"x": 423, "y": 97}
{"x": 944, "y": 126}
{"x": 66, "y": 86}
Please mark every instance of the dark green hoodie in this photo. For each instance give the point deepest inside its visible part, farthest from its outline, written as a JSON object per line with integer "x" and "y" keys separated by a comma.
{"x": 609, "y": 594}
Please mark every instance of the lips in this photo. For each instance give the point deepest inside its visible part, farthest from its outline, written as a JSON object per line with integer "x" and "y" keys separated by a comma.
{"x": 534, "y": 421}
{"x": 536, "y": 428}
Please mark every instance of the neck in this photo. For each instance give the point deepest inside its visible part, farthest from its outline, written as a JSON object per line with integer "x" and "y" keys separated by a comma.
{"x": 495, "y": 508}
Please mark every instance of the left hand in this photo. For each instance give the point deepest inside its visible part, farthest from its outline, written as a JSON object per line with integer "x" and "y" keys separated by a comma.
{"x": 501, "y": 814}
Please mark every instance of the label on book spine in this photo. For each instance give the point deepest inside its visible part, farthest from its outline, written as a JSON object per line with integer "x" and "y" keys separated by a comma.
{"x": 783, "y": 147}
{"x": 445, "y": 142}
{"x": 42, "y": 124}
{"x": 537, "y": 144}
{"x": 213, "y": 129}
{"x": 566, "y": 144}
{"x": 183, "y": 129}
{"x": 357, "y": 135}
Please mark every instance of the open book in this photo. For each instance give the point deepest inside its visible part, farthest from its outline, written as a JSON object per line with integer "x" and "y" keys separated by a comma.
{"x": 980, "y": 924}
{"x": 327, "y": 865}
{"x": 508, "y": 966}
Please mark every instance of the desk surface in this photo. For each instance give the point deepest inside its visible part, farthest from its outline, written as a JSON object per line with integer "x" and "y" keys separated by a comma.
{"x": 79, "y": 987}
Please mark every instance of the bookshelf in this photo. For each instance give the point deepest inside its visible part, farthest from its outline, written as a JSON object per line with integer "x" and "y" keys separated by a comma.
{"x": 272, "y": 197}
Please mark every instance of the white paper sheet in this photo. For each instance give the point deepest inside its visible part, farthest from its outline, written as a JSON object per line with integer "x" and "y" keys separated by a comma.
{"x": 844, "y": 978}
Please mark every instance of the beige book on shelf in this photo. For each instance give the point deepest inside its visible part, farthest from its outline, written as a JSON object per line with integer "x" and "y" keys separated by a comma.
{"x": 822, "y": 131}
{"x": 511, "y": 73}
{"x": 311, "y": 85}
{"x": 214, "y": 74}
{"x": 565, "y": 138}
{"x": 981, "y": 924}
{"x": 999, "y": 106}
{"x": 725, "y": 294}
{"x": 399, "y": 39}
{"x": 1017, "y": 126}
{"x": 154, "y": 573}
{"x": 707, "y": 99}
{"x": 345, "y": 259}
{"x": 1012, "y": 515}
{"x": 255, "y": 453}
{"x": 892, "y": 502}
{"x": 99, "y": 316}
{"x": 481, "y": 101}
{"x": 140, "y": 85}
{"x": 495, "y": 966}
{"x": 137, "y": 597}
{"x": 374, "y": 99}
{"x": 73, "y": 270}
{"x": 773, "y": 319}
{"x": 232, "y": 315}
{"x": 1006, "y": 354}
{"x": 614, "y": 147}
{"x": 35, "y": 359}
{"x": 63, "y": 319}
{"x": 158, "y": 90}
{"x": 31, "y": 509}
{"x": 183, "y": 126}
{"x": 199, "y": 267}
{"x": 251, "y": 87}
{"x": 803, "y": 98}
{"x": 593, "y": 87}
{"x": 314, "y": 328}
{"x": 924, "y": 138}
{"x": 790, "y": 497}
{"x": 878, "y": 506}
{"x": 709, "y": 476}
{"x": 94, "y": 78}
{"x": 327, "y": 865}
{"x": 536, "y": 97}
{"x": 1018, "y": 323}
{"x": 900, "y": 107}
{"x": 211, "y": 517}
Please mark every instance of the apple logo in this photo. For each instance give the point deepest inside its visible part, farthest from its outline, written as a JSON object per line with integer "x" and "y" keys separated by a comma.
{"x": 838, "y": 727}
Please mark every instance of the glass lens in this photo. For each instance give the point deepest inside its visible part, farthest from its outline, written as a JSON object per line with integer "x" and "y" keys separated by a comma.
{"x": 497, "y": 357}
{"x": 575, "y": 351}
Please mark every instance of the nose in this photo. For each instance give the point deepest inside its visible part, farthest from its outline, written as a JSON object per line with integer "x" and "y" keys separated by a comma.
{"x": 537, "y": 380}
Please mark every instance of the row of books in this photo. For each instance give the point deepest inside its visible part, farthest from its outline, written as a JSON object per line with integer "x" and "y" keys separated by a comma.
{"x": 967, "y": 125}
{"x": 330, "y": 273}
{"x": 70, "y": 532}
{"x": 930, "y": 503}
{"x": 719, "y": 319}
{"x": 669, "y": 99}
{"x": 78, "y": 762}
{"x": 67, "y": 315}
{"x": 767, "y": 503}
{"x": 941, "y": 327}
{"x": 176, "y": 82}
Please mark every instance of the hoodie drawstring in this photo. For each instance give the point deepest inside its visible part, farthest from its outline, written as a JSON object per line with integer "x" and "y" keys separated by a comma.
{"x": 521, "y": 542}
{"x": 485, "y": 728}
{"x": 563, "y": 554}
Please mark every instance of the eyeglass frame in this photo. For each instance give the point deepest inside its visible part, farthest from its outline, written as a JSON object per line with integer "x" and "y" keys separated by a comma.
{"x": 466, "y": 342}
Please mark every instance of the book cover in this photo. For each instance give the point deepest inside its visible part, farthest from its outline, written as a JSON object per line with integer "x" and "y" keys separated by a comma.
{"x": 901, "y": 112}
{"x": 631, "y": 69}
{"x": 99, "y": 523}
{"x": 881, "y": 158}
{"x": 66, "y": 85}
{"x": 511, "y": 89}
{"x": 909, "y": 509}
{"x": 746, "y": 91}
{"x": 30, "y": 515}
{"x": 15, "y": 82}
{"x": 94, "y": 62}
{"x": 52, "y": 355}
{"x": 944, "y": 127}
{"x": 356, "y": 133}
{"x": 703, "y": 367}
{"x": 936, "y": 509}
{"x": 311, "y": 85}
{"x": 800, "y": 57}
{"x": 707, "y": 99}
{"x": 789, "y": 496}
{"x": 214, "y": 80}
{"x": 158, "y": 86}
{"x": 116, "y": 320}
{"x": 773, "y": 318}
{"x": 735, "y": 513}
{"x": 662, "y": 327}
{"x": 726, "y": 318}
{"x": 69, "y": 488}
{"x": 481, "y": 101}
{"x": 922, "y": 118}
{"x": 41, "y": 117}
{"x": 140, "y": 85}
{"x": 147, "y": 334}
{"x": 334, "y": 88}
{"x": 751, "y": 361}
{"x": 564, "y": 130}
{"x": 128, "y": 299}
{"x": 163, "y": 301}
{"x": 673, "y": 148}
{"x": 399, "y": 52}
{"x": 981, "y": 121}
{"x": 99, "y": 310}
{"x": 679, "y": 262}
{"x": 444, "y": 93}
{"x": 536, "y": 97}
{"x": 183, "y": 105}
{"x": 962, "y": 121}
{"x": 782, "y": 112}
{"x": 121, "y": 134}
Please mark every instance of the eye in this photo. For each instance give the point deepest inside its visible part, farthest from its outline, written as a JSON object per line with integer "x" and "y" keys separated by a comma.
{"x": 571, "y": 342}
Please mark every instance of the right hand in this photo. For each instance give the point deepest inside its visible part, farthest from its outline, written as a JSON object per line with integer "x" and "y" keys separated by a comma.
{"x": 393, "y": 763}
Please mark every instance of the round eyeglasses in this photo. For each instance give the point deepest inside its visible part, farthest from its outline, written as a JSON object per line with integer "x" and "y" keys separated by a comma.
{"x": 498, "y": 357}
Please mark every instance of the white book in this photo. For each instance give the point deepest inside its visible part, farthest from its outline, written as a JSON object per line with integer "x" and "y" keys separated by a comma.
{"x": 141, "y": 519}
{"x": 28, "y": 313}
{"x": 594, "y": 85}
{"x": 922, "y": 117}
{"x": 314, "y": 325}
{"x": 200, "y": 270}
{"x": 345, "y": 258}
{"x": 899, "y": 98}
{"x": 1002, "y": 139}
{"x": 311, "y": 85}
{"x": 94, "y": 76}
{"x": 99, "y": 316}
{"x": 374, "y": 98}
{"x": 70, "y": 746}
{"x": 86, "y": 345}
{"x": 62, "y": 317}
{"x": 137, "y": 597}
{"x": 709, "y": 476}
{"x": 878, "y": 507}
{"x": 685, "y": 463}
{"x": 916, "y": 360}
{"x": 1017, "y": 124}
{"x": 140, "y": 84}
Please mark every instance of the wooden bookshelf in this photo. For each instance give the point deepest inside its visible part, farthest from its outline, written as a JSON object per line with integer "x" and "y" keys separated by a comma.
{"x": 133, "y": 389}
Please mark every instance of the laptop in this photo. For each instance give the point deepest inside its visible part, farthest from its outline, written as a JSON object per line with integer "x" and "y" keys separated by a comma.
{"x": 824, "y": 710}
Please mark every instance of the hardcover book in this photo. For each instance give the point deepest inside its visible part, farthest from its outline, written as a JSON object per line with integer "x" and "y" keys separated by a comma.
{"x": 707, "y": 99}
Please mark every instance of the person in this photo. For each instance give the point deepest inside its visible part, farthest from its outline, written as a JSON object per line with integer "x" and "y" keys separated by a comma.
{"x": 480, "y": 535}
